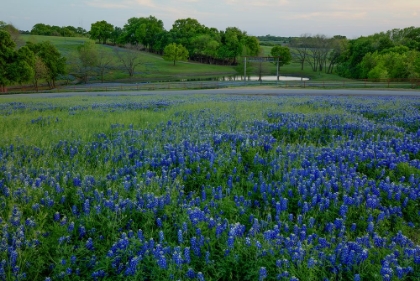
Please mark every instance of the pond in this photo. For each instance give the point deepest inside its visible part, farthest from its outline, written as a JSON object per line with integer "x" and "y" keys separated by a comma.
{"x": 249, "y": 78}
{"x": 263, "y": 78}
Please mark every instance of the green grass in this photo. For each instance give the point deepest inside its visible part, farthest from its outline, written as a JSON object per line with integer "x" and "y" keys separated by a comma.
{"x": 157, "y": 69}
{"x": 154, "y": 67}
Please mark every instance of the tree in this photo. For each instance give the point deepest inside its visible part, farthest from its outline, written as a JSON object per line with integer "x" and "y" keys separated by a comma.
{"x": 233, "y": 40}
{"x": 175, "y": 52}
{"x": 115, "y": 35}
{"x": 129, "y": 59}
{"x": 128, "y": 35}
{"x": 148, "y": 30}
{"x": 338, "y": 47}
{"x": 101, "y": 30}
{"x": 300, "y": 49}
{"x": 88, "y": 60}
{"x": 13, "y": 31}
{"x": 40, "y": 71}
{"x": 15, "y": 65}
{"x": 185, "y": 30}
{"x": 41, "y": 29}
{"x": 104, "y": 63}
{"x": 205, "y": 47}
{"x": 52, "y": 59}
{"x": 284, "y": 57}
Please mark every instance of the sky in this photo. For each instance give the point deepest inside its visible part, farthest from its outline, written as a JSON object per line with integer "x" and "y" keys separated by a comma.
{"x": 351, "y": 18}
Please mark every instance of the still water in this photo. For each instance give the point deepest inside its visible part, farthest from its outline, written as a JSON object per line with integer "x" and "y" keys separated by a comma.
{"x": 248, "y": 78}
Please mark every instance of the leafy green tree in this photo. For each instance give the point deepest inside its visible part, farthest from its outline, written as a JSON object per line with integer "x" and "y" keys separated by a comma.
{"x": 52, "y": 59}
{"x": 162, "y": 40}
{"x": 184, "y": 31}
{"x": 115, "y": 35}
{"x": 232, "y": 43}
{"x": 205, "y": 47}
{"x": 284, "y": 54}
{"x": 378, "y": 72}
{"x": 101, "y": 30}
{"x": 394, "y": 65}
{"x": 128, "y": 35}
{"x": 251, "y": 45}
{"x": 412, "y": 39}
{"x": 148, "y": 30}
{"x": 41, "y": 29}
{"x": 15, "y": 65}
{"x": 175, "y": 52}
{"x": 13, "y": 31}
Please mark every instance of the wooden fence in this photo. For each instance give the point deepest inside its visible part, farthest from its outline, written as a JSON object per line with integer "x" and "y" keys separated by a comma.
{"x": 345, "y": 84}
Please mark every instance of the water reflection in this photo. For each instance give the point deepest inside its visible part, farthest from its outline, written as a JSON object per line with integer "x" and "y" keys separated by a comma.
{"x": 251, "y": 78}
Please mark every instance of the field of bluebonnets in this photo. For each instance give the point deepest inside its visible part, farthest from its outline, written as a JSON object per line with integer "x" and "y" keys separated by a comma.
{"x": 210, "y": 188}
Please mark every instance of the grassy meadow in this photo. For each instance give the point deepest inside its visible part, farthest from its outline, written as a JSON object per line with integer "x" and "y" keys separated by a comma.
{"x": 209, "y": 187}
{"x": 154, "y": 68}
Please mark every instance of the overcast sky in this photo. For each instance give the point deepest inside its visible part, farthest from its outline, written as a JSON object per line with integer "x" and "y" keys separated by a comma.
{"x": 352, "y": 18}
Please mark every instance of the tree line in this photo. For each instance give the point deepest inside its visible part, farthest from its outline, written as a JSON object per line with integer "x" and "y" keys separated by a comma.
{"x": 203, "y": 44}
{"x": 386, "y": 55}
{"x": 54, "y": 30}
{"x": 31, "y": 62}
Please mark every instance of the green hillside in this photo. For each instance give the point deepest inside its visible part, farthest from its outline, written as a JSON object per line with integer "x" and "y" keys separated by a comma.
{"x": 153, "y": 67}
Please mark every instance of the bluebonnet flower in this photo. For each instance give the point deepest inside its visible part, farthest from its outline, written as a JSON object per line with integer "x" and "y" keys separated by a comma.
{"x": 132, "y": 267}
{"x": 162, "y": 262}
{"x": 230, "y": 241}
{"x": 200, "y": 276}
{"x": 159, "y": 222}
{"x": 262, "y": 273}
{"x": 190, "y": 273}
{"x": 161, "y": 237}
{"x": 86, "y": 207}
{"x": 187, "y": 255}
{"x": 177, "y": 259}
{"x": 82, "y": 231}
{"x": 311, "y": 262}
{"x": 195, "y": 246}
{"x": 89, "y": 244}
{"x": 56, "y": 216}
{"x": 180, "y": 238}
{"x": 207, "y": 257}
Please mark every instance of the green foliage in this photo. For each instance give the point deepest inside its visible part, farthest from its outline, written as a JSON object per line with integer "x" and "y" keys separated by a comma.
{"x": 101, "y": 30}
{"x": 15, "y": 65}
{"x": 174, "y": 52}
{"x": 396, "y": 62}
{"x": 394, "y": 52}
{"x": 283, "y": 53}
{"x": 83, "y": 63}
{"x": 148, "y": 30}
{"x": 65, "y": 31}
{"x": 52, "y": 58}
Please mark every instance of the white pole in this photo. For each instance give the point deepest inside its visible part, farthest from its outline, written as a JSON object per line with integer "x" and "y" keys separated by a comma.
{"x": 245, "y": 69}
